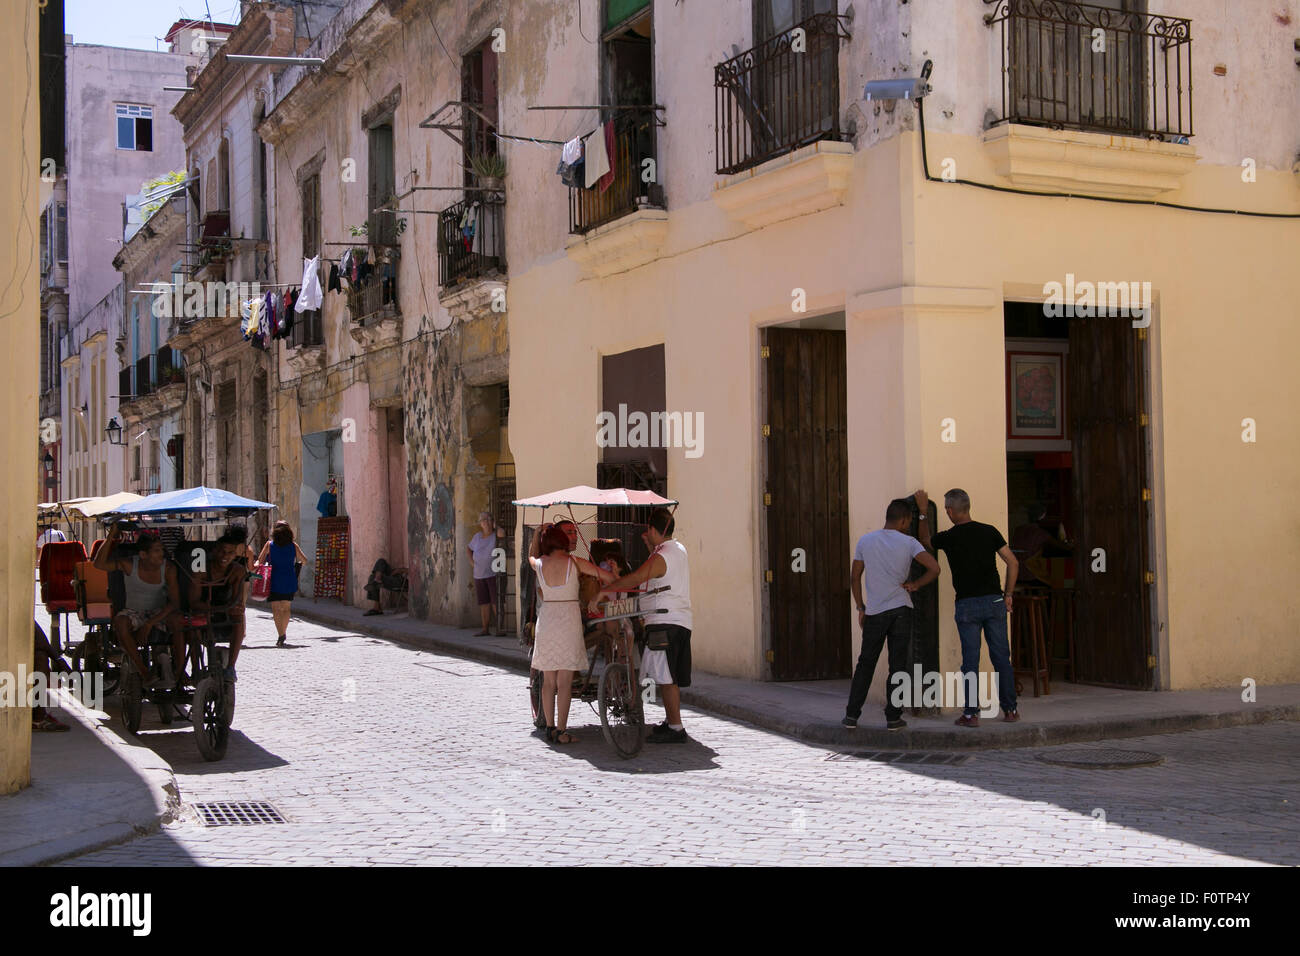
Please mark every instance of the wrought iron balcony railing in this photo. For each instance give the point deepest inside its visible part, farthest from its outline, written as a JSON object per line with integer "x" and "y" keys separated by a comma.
{"x": 376, "y": 291}
{"x": 779, "y": 96}
{"x": 472, "y": 239}
{"x": 634, "y": 143}
{"x": 1081, "y": 66}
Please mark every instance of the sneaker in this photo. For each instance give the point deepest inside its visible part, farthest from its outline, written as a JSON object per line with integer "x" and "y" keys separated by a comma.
{"x": 669, "y": 736}
{"x": 160, "y": 683}
{"x": 373, "y": 613}
{"x": 898, "y": 724}
{"x": 50, "y": 723}
{"x": 279, "y": 641}
{"x": 1010, "y": 716}
{"x": 968, "y": 720}
{"x": 849, "y": 722}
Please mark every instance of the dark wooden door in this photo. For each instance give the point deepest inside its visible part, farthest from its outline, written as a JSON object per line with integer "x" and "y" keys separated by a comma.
{"x": 1112, "y": 630}
{"x": 807, "y": 479}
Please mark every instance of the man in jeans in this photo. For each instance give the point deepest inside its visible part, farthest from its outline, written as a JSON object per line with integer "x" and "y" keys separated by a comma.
{"x": 982, "y": 604}
{"x": 885, "y": 558}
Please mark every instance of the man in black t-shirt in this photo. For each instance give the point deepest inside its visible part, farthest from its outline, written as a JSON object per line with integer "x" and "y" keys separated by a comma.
{"x": 982, "y": 604}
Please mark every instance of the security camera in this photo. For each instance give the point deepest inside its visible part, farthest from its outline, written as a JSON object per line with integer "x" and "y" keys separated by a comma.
{"x": 902, "y": 88}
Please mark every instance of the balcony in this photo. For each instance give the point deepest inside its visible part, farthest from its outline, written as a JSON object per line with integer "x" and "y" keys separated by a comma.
{"x": 1094, "y": 99}
{"x": 634, "y": 143}
{"x": 472, "y": 257}
{"x": 1095, "y": 69}
{"x": 147, "y": 481}
{"x": 625, "y": 225}
{"x": 775, "y": 98}
{"x": 372, "y": 301}
{"x": 779, "y": 146}
{"x": 479, "y": 254}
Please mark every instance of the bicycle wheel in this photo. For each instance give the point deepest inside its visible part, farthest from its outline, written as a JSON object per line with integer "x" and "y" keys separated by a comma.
{"x": 620, "y": 710}
{"x": 132, "y": 697}
{"x": 211, "y": 731}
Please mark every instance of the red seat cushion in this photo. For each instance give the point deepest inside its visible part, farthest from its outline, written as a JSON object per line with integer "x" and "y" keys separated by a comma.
{"x": 58, "y": 563}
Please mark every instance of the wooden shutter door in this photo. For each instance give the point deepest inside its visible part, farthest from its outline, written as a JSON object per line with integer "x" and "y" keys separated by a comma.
{"x": 807, "y": 478}
{"x": 1112, "y": 633}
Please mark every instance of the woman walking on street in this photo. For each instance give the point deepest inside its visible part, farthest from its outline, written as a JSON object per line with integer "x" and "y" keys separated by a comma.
{"x": 283, "y": 555}
{"x": 558, "y": 648}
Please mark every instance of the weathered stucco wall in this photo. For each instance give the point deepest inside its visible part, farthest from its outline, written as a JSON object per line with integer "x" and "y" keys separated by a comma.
{"x": 20, "y": 312}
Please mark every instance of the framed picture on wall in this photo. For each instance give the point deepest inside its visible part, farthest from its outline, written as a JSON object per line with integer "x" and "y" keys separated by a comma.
{"x": 1035, "y": 395}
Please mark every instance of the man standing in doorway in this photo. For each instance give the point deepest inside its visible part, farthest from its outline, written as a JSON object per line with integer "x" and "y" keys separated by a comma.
{"x": 982, "y": 604}
{"x": 885, "y": 556}
{"x": 667, "y": 659}
{"x": 480, "y": 550}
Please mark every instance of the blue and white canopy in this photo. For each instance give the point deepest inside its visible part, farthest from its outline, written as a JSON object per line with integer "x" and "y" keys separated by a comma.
{"x": 187, "y": 506}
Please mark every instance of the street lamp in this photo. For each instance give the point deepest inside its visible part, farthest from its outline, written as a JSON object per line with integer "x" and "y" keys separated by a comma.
{"x": 114, "y": 432}
{"x": 48, "y": 462}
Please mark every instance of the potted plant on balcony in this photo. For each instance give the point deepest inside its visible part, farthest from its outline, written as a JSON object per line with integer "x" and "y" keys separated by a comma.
{"x": 489, "y": 169}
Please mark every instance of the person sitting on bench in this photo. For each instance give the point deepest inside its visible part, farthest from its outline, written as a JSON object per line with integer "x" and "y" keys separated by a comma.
{"x": 382, "y": 575}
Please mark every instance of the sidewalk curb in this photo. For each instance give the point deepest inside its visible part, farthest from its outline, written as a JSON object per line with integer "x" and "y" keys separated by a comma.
{"x": 1027, "y": 735}
{"x": 831, "y": 734}
{"x": 154, "y": 772}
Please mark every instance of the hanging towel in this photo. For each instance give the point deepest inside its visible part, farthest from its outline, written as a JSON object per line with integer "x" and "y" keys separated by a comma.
{"x": 612, "y": 155}
{"x": 597, "y": 156}
{"x": 254, "y": 316}
{"x": 311, "y": 294}
{"x": 334, "y": 285}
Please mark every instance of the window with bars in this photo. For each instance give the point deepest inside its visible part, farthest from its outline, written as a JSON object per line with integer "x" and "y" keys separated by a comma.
{"x": 134, "y": 127}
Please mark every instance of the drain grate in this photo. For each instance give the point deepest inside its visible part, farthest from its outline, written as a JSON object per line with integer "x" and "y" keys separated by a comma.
{"x": 902, "y": 756}
{"x": 226, "y": 813}
{"x": 1102, "y": 758}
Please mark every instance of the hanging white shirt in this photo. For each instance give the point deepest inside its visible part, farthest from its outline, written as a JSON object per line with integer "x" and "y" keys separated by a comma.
{"x": 311, "y": 296}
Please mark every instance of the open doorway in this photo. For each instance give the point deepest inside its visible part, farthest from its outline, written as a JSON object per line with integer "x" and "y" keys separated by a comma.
{"x": 1077, "y": 491}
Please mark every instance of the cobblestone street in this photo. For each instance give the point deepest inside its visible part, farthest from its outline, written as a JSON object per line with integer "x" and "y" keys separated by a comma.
{"x": 382, "y": 754}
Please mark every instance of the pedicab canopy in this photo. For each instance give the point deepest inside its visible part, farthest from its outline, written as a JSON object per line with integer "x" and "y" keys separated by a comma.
{"x": 93, "y": 507}
{"x": 187, "y": 506}
{"x": 594, "y": 497}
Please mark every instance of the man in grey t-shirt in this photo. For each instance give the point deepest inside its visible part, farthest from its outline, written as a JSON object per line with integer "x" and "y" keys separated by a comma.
{"x": 884, "y": 558}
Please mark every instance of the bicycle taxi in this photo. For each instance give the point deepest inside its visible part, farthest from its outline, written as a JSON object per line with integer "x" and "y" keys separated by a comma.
{"x": 615, "y": 515}
{"x": 212, "y": 706}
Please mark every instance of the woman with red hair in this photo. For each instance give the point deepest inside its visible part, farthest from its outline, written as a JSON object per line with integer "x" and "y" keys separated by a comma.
{"x": 558, "y": 648}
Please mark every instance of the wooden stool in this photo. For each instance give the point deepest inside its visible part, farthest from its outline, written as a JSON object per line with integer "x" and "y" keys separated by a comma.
{"x": 1029, "y": 640}
{"x": 1063, "y": 609}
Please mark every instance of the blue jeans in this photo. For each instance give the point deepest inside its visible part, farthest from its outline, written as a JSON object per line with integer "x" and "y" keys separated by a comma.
{"x": 987, "y": 612}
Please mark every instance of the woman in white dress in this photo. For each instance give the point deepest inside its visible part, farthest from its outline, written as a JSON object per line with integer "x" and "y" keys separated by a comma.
{"x": 558, "y": 648}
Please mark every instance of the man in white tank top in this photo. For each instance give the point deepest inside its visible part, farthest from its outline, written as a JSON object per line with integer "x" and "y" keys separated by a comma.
{"x": 667, "y": 659}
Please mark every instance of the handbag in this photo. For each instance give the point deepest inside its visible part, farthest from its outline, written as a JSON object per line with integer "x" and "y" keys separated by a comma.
{"x": 261, "y": 589}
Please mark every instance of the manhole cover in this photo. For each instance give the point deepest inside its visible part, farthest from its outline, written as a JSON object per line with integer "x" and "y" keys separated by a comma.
{"x": 238, "y": 813}
{"x": 902, "y": 756}
{"x": 1102, "y": 758}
